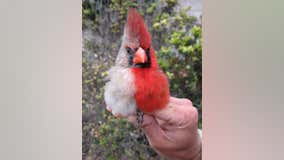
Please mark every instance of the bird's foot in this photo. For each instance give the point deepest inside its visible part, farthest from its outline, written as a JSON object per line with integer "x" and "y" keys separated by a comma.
{"x": 139, "y": 118}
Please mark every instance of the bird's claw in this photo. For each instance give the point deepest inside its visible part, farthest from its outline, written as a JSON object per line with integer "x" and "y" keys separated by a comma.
{"x": 139, "y": 118}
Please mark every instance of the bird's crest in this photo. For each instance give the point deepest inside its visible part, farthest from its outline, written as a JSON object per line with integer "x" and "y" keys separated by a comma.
{"x": 136, "y": 28}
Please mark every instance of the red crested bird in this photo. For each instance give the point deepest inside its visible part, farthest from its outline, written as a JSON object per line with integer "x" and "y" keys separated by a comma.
{"x": 136, "y": 81}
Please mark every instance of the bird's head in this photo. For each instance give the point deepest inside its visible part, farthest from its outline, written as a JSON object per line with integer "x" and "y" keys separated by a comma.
{"x": 136, "y": 50}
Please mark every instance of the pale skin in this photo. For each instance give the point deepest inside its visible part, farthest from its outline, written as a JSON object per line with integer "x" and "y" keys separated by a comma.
{"x": 172, "y": 131}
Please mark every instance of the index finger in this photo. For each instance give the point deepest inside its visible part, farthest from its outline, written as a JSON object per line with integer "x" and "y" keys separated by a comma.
{"x": 166, "y": 114}
{"x": 180, "y": 101}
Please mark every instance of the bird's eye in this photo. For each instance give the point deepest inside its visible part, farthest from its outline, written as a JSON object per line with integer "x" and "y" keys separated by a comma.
{"x": 128, "y": 49}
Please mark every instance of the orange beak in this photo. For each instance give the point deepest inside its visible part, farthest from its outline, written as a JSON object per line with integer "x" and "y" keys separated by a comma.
{"x": 140, "y": 56}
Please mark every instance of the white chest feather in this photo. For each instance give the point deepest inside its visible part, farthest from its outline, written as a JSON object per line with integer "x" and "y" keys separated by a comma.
{"x": 119, "y": 91}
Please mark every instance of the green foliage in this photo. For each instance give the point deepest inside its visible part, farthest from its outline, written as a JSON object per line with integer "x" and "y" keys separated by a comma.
{"x": 177, "y": 39}
{"x": 151, "y": 9}
{"x": 182, "y": 58}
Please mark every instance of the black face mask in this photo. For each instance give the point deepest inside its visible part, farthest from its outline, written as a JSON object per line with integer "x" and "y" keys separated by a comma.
{"x": 131, "y": 53}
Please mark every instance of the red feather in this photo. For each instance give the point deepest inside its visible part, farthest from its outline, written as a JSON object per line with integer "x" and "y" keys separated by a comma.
{"x": 136, "y": 28}
{"x": 152, "y": 90}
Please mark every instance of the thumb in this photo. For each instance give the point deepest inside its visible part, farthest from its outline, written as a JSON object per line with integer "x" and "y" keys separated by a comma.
{"x": 151, "y": 127}
{"x": 165, "y": 114}
{"x": 155, "y": 134}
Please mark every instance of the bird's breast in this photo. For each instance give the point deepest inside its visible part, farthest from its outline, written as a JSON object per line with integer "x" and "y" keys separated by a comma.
{"x": 119, "y": 91}
{"x": 151, "y": 89}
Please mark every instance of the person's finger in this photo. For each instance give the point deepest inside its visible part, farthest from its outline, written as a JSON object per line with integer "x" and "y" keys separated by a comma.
{"x": 118, "y": 115}
{"x": 132, "y": 119}
{"x": 108, "y": 108}
{"x": 175, "y": 100}
{"x": 154, "y": 132}
{"x": 174, "y": 114}
{"x": 166, "y": 114}
{"x": 180, "y": 101}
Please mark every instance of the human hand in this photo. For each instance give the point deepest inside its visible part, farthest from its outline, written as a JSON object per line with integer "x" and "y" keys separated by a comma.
{"x": 172, "y": 131}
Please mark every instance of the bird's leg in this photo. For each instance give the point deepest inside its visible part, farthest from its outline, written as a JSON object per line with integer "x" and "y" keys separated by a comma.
{"x": 139, "y": 117}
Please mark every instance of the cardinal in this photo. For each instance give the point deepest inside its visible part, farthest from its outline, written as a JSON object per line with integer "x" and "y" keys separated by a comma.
{"x": 136, "y": 83}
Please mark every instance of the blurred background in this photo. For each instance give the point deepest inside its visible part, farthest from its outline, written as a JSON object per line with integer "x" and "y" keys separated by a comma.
{"x": 175, "y": 26}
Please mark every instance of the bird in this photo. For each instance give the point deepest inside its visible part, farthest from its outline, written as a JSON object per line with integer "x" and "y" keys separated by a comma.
{"x": 136, "y": 83}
